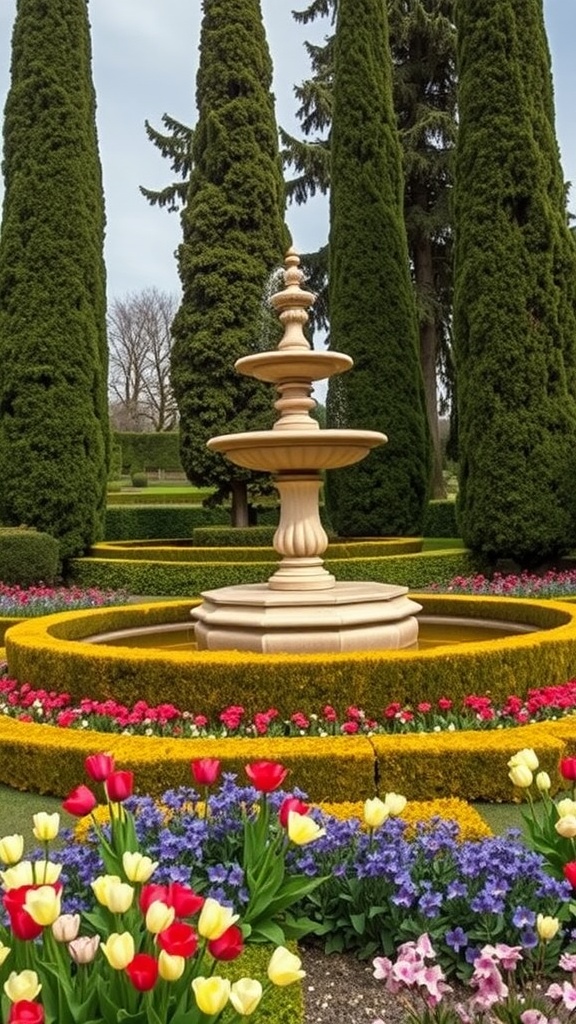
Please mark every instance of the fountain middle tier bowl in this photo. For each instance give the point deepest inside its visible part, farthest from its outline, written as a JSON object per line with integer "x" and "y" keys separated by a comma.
{"x": 293, "y": 365}
{"x": 297, "y": 450}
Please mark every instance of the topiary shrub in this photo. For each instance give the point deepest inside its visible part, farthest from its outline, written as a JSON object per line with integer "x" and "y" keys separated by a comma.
{"x": 139, "y": 480}
{"x": 28, "y": 556}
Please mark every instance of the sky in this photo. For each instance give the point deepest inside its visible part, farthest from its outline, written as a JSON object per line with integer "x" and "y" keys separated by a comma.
{"x": 145, "y": 58}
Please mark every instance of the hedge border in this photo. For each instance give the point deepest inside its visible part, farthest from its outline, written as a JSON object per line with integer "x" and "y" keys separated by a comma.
{"x": 172, "y": 579}
{"x": 467, "y": 765}
{"x": 52, "y": 653}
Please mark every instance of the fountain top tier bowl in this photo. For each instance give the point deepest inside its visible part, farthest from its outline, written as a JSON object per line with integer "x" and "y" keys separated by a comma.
{"x": 301, "y": 607}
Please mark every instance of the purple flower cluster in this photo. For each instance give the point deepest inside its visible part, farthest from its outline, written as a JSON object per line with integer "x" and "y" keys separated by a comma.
{"x": 380, "y": 888}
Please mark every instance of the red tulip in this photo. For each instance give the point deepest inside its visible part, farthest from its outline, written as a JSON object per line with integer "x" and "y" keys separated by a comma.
{"x": 150, "y": 893}
{"x": 185, "y": 901}
{"x": 99, "y": 766}
{"x": 205, "y": 771}
{"x": 266, "y": 775}
{"x": 80, "y": 802}
{"x": 22, "y": 925}
{"x": 26, "y": 1012}
{"x": 179, "y": 939}
{"x": 119, "y": 786}
{"x": 570, "y": 873}
{"x": 291, "y": 803}
{"x": 568, "y": 768}
{"x": 228, "y": 946}
{"x": 143, "y": 972}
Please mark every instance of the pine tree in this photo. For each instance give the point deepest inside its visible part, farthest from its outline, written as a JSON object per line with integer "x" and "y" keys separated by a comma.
{"x": 53, "y": 365}
{"x": 515, "y": 284}
{"x": 372, "y": 309}
{"x": 234, "y": 237}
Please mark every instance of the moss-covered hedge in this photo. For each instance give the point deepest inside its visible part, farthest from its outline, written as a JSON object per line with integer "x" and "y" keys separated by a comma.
{"x": 469, "y": 765}
{"x": 173, "y": 579}
{"x": 49, "y": 653}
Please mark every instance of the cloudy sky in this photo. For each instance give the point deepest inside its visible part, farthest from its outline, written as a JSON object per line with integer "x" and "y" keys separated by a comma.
{"x": 145, "y": 56}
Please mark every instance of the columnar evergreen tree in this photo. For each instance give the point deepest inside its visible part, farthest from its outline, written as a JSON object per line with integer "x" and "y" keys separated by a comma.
{"x": 234, "y": 236}
{"x": 372, "y": 308}
{"x": 515, "y": 285}
{"x": 422, "y": 39}
{"x": 53, "y": 365}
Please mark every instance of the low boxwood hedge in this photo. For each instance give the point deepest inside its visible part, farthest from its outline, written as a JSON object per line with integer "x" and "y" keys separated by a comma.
{"x": 340, "y": 769}
{"x": 175, "y": 578}
{"x": 52, "y": 653}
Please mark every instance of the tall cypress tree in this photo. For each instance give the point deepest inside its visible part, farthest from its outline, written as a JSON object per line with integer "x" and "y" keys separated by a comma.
{"x": 515, "y": 285}
{"x": 234, "y": 236}
{"x": 422, "y": 40}
{"x": 372, "y": 309}
{"x": 53, "y": 364}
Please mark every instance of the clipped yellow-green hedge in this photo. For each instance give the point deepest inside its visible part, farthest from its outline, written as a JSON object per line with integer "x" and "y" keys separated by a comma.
{"x": 47, "y": 759}
{"x": 465, "y": 765}
{"x": 154, "y": 574}
{"x": 51, "y": 653}
{"x": 181, "y": 550}
{"x": 470, "y": 765}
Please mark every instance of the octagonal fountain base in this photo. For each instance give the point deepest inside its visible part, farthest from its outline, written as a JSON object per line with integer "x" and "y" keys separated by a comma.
{"x": 348, "y": 617}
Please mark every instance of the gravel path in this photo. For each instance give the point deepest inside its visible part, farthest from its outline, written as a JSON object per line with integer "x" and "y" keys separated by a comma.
{"x": 340, "y": 989}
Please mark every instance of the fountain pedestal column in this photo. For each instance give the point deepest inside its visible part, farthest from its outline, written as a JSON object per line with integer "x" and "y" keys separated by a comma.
{"x": 301, "y": 609}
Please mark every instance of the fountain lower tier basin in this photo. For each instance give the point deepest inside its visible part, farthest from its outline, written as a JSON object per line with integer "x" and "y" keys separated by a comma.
{"x": 347, "y": 617}
{"x": 293, "y": 451}
{"x": 434, "y": 631}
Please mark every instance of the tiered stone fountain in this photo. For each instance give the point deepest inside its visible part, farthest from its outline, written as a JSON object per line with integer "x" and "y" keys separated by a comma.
{"x": 301, "y": 608}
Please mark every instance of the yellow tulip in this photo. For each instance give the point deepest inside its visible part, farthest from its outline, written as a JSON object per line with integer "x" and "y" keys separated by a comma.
{"x": 119, "y": 897}
{"x": 46, "y": 872}
{"x": 395, "y": 804}
{"x": 66, "y": 927}
{"x": 526, "y": 757}
{"x": 565, "y": 807}
{"x": 4, "y": 952}
{"x": 24, "y": 985}
{"x": 521, "y": 776}
{"x": 137, "y": 867}
{"x": 170, "y": 967}
{"x": 302, "y": 829}
{"x": 547, "y": 927}
{"x": 543, "y": 782}
{"x": 284, "y": 967}
{"x": 11, "y": 849}
{"x": 159, "y": 917}
{"x": 211, "y": 993}
{"x": 214, "y": 919}
{"x": 43, "y": 904}
{"x": 375, "y": 812}
{"x": 20, "y": 874}
{"x": 245, "y": 996}
{"x": 46, "y": 826}
{"x": 119, "y": 950}
{"x": 566, "y": 826}
{"x": 101, "y": 885}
